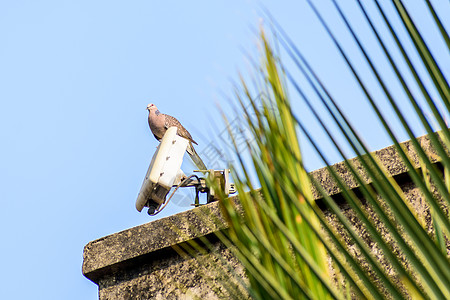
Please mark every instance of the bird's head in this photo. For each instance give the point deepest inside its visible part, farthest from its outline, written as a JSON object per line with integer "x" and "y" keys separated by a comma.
{"x": 152, "y": 107}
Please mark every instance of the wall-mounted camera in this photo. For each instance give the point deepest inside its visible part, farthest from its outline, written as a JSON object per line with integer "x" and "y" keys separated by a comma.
{"x": 164, "y": 173}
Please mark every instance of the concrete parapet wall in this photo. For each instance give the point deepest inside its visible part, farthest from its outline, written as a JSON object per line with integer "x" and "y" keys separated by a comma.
{"x": 152, "y": 260}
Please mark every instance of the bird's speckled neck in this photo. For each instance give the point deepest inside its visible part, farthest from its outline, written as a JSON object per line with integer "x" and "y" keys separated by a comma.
{"x": 157, "y": 112}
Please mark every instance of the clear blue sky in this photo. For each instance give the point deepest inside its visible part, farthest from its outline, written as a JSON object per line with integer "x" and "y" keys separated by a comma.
{"x": 76, "y": 77}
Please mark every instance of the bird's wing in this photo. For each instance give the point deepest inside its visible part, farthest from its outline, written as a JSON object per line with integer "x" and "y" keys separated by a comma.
{"x": 181, "y": 131}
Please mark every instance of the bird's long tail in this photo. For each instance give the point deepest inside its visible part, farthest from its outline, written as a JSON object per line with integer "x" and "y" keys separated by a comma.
{"x": 195, "y": 158}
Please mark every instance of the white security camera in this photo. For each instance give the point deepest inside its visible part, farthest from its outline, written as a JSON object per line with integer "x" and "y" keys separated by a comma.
{"x": 164, "y": 171}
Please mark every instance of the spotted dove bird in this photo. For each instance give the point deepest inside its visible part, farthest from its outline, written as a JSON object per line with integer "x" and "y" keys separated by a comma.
{"x": 159, "y": 123}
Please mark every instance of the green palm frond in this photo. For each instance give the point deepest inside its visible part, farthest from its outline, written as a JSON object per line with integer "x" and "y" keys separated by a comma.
{"x": 282, "y": 238}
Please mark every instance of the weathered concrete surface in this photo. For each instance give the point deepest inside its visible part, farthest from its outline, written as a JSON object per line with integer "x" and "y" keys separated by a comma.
{"x": 148, "y": 261}
{"x": 388, "y": 157}
{"x": 154, "y": 260}
{"x": 104, "y": 253}
{"x": 174, "y": 277}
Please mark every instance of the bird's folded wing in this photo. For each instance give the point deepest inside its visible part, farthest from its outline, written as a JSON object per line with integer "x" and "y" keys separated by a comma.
{"x": 171, "y": 121}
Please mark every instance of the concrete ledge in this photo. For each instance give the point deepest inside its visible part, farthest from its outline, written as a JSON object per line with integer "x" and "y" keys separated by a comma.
{"x": 388, "y": 157}
{"x": 143, "y": 251}
{"x": 106, "y": 254}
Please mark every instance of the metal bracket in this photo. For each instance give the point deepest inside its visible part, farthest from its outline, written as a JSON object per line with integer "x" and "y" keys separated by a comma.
{"x": 219, "y": 177}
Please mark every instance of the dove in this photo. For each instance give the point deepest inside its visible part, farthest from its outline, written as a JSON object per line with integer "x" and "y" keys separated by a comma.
{"x": 159, "y": 123}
